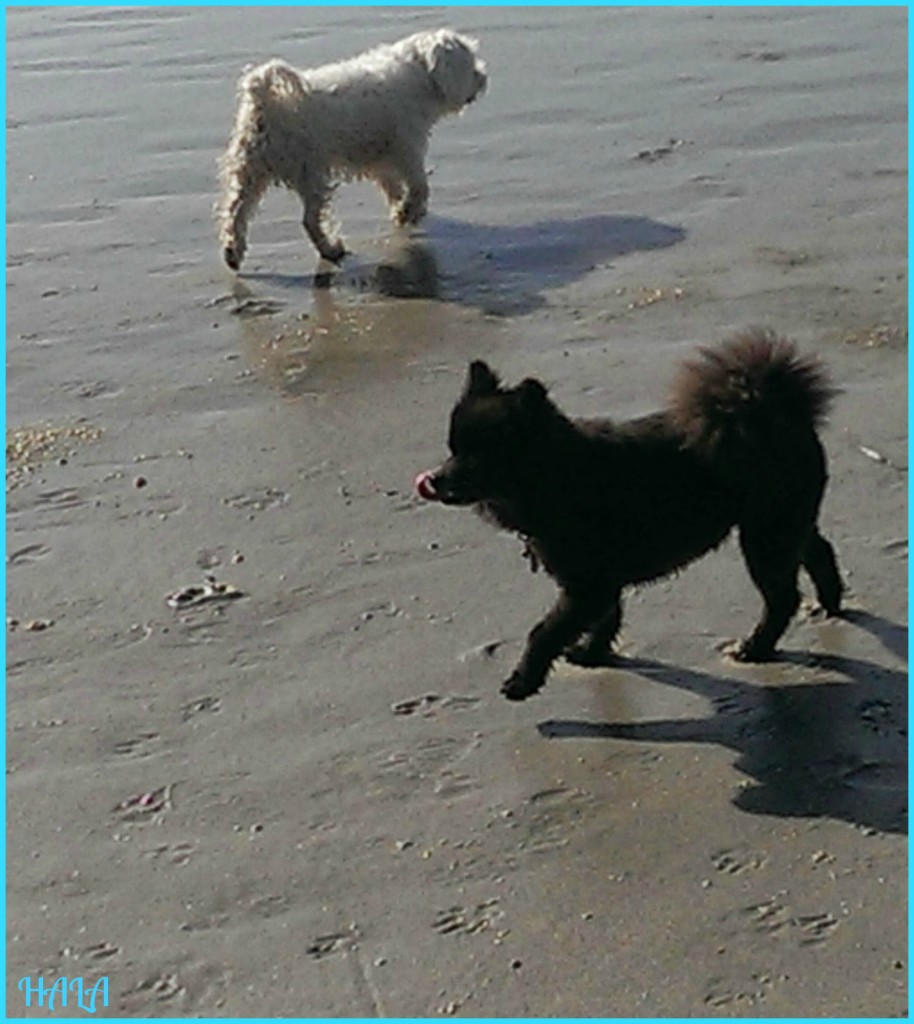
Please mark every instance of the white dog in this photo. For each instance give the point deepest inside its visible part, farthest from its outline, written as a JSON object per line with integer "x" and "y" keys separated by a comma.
{"x": 368, "y": 117}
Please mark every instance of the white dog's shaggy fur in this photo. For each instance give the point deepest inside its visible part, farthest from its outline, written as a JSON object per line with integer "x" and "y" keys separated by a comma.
{"x": 368, "y": 117}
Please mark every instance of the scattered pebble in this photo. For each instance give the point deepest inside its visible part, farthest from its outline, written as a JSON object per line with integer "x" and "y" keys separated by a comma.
{"x": 871, "y": 453}
{"x": 27, "y": 447}
{"x": 650, "y": 296}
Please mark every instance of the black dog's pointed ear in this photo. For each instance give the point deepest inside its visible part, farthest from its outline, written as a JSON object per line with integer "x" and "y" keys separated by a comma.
{"x": 481, "y": 380}
{"x": 532, "y": 392}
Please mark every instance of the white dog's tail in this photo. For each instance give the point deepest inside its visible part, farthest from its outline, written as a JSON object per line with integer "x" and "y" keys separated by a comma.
{"x": 275, "y": 80}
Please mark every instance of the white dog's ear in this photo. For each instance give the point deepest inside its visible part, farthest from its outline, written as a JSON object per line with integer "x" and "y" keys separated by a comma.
{"x": 452, "y": 67}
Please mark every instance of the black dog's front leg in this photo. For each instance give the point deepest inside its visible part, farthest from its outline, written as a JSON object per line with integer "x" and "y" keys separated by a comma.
{"x": 563, "y": 625}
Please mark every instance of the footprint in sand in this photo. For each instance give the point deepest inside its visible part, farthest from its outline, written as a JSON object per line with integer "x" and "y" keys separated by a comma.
{"x": 482, "y": 652}
{"x": 415, "y": 705}
{"x": 136, "y": 746}
{"x": 161, "y": 987}
{"x": 62, "y": 498}
{"x": 97, "y": 951}
{"x": 453, "y": 783}
{"x": 429, "y": 703}
{"x": 209, "y": 590}
{"x": 769, "y": 916}
{"x": 776, "y": 918}
{"x": 327, "y": 945}
{"x": 468, "y": 920}
{"x": 200, "y": 705}
{"x": 28, "y": 554}
{"x": 176, "y": 853}
{"x": 735, "y": 862}
{"x": 815, "y": 927}
{"x": 720, "y": 992}
{"x": 268, "y": 497}
{"x": 144, "y": 806}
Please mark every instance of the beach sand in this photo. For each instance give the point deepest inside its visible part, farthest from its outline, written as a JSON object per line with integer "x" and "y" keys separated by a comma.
{"x": 295, "y": 790}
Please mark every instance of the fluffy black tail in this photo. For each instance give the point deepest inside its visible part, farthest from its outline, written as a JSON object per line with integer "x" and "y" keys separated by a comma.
{"x": 752, "y": 388}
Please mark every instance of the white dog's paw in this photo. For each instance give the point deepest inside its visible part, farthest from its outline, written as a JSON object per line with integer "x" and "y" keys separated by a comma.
{"x": 409, "y": 212}
{"x": 333, "y": 251}
{"x": 233, "y": 257}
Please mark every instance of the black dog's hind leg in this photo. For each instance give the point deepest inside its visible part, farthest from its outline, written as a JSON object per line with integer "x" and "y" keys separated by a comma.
{"x": 820, "y": 562}
{"x": 773, "y": 562}
{"x": 595, "y": 646}
{"x": 569, "y": 618}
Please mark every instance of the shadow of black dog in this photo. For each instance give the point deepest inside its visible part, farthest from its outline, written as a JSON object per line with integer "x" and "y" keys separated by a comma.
{"x": 833, "y": 748}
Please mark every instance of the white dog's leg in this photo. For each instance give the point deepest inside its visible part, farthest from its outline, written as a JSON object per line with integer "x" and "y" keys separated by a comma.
{"x": 391, "y": 184}
{"x": 414, "y": 205}
{"x": 244, "y": 183}
{"x": 317, "y": 204}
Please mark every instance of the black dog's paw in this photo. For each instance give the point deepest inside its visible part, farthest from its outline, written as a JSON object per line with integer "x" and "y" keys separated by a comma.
{"x": 819, "y": 613}
{"x": 748, "y": 651}
{"x": 588, "y": 655}
{"x": 816, "y": 611}
{"x": 519, "y": 687}
{"x": 231, "y": 257}
{"x": 832, "y": 611}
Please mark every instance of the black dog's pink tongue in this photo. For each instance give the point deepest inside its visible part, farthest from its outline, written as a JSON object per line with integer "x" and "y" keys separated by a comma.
{"x": 425, "y": 487}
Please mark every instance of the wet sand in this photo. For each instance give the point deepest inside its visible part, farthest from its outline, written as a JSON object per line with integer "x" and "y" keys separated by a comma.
{"x": 309, "y": 799}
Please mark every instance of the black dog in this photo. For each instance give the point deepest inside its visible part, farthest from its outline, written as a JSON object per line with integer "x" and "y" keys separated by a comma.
{"x": 603, "y": 505}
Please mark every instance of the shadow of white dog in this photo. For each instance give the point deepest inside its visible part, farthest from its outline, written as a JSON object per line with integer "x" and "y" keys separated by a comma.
{"x": 368, "y": 117}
